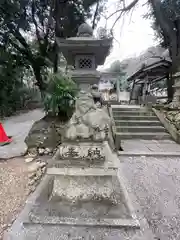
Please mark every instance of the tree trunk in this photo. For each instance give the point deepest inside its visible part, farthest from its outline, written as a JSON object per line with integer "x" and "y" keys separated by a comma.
{"x": 58, "y": 14}
{"x": 56, "y": 58}
{"x": 39, "y": 79}
{"x": 170, "y": 90}
{"x": 95, "y": 15}
{"x": 169, "y": 31}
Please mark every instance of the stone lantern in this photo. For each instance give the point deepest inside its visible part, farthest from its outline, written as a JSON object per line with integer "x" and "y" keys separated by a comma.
{"x": 85, "y": 53}
{"x": 82, "y": 195}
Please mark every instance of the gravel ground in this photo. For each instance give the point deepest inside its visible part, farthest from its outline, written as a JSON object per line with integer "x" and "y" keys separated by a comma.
{"x": 156, "y": 184}
{"x": 13, "y": 190}
{"x": 154, "y": 181}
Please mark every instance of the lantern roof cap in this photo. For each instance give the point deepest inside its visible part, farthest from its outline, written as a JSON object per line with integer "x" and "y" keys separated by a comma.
{"x": 85, "y": 30}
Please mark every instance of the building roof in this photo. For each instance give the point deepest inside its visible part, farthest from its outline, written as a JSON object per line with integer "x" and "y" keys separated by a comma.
{"x": 155, "y": 71}
{"x": 150, "y": 56}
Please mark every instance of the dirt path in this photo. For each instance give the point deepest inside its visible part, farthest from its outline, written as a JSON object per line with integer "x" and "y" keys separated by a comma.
{"x": 18, "y": 127}
{"x": 13, "y": 190}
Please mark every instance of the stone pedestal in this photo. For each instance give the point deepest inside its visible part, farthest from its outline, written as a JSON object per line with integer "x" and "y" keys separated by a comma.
{"x": 81, "y": 188}
{"x": 84, "y": 189}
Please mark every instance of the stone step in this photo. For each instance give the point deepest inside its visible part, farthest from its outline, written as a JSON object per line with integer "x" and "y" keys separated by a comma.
{"x": 145, "y": 136}
{"x": 135, "y": 117}
{"x": 130, "y": 109}
{"x": 133, "y": 129}
{"x": 133, "y": 113}
{"x": 137, "y": 123}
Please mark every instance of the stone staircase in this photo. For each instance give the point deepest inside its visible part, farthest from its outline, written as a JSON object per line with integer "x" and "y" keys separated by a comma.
{"x": 134, "y": 122}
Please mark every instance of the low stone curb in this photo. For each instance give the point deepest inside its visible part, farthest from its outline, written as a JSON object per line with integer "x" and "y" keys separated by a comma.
{"x": 149, "y": 154}
{"x": 117, "y": 142}
{"x": 113, "y": 127}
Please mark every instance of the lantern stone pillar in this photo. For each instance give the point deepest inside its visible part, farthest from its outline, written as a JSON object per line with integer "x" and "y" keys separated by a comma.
{"x": 84, "y": 52}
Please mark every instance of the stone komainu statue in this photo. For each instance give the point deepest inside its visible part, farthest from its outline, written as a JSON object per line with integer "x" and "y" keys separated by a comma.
{"x": 88, "y": 121}
{"x": 97, "y": 96}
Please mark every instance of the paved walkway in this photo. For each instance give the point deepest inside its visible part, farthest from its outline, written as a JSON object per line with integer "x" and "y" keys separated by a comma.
{"x": 155, "y": 184}
{"x": 154, "y": 180}
{"x": 151, "y": 146}
{"x": 18, "y": 127}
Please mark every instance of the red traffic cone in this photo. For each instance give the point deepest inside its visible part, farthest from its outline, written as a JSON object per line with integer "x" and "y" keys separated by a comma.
{"x": 4, "y": 139}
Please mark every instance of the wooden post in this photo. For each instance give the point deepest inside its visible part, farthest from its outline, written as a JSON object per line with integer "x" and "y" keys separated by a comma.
{"x": 145, "y": 89}
{"x": 117, "y": 89}
{"x": 170, "y": 90}
{"x": 132, "y": 91}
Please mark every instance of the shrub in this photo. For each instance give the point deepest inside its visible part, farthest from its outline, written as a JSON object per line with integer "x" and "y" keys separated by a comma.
{"x": 17, "y": 99}
{"x": 13, "y": 92}
{"x": 60, "y": 96}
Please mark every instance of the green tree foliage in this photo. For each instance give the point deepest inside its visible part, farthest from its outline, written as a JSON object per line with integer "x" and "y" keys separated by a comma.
{"x": 166, "y": 23}
{"x": 171, "y": 10}
{"x": 119, "y": 69}
{"x": 12, "y": 94}
{"x": 21, "y": 20}
{"x": 166, "y": 14}
{"x": 28, "y": 29}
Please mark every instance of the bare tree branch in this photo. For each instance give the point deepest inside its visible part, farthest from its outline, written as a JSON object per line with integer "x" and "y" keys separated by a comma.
{"x": 130, "y": 6}
{"x": 125, "y": 8}
{"x": 117, "y": 19}
{"x": 95, "y": 14}
{"x": 132, "y": 10}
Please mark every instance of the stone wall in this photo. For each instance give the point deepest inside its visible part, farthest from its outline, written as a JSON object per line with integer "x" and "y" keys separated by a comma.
{"x": 174, "y": 118}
